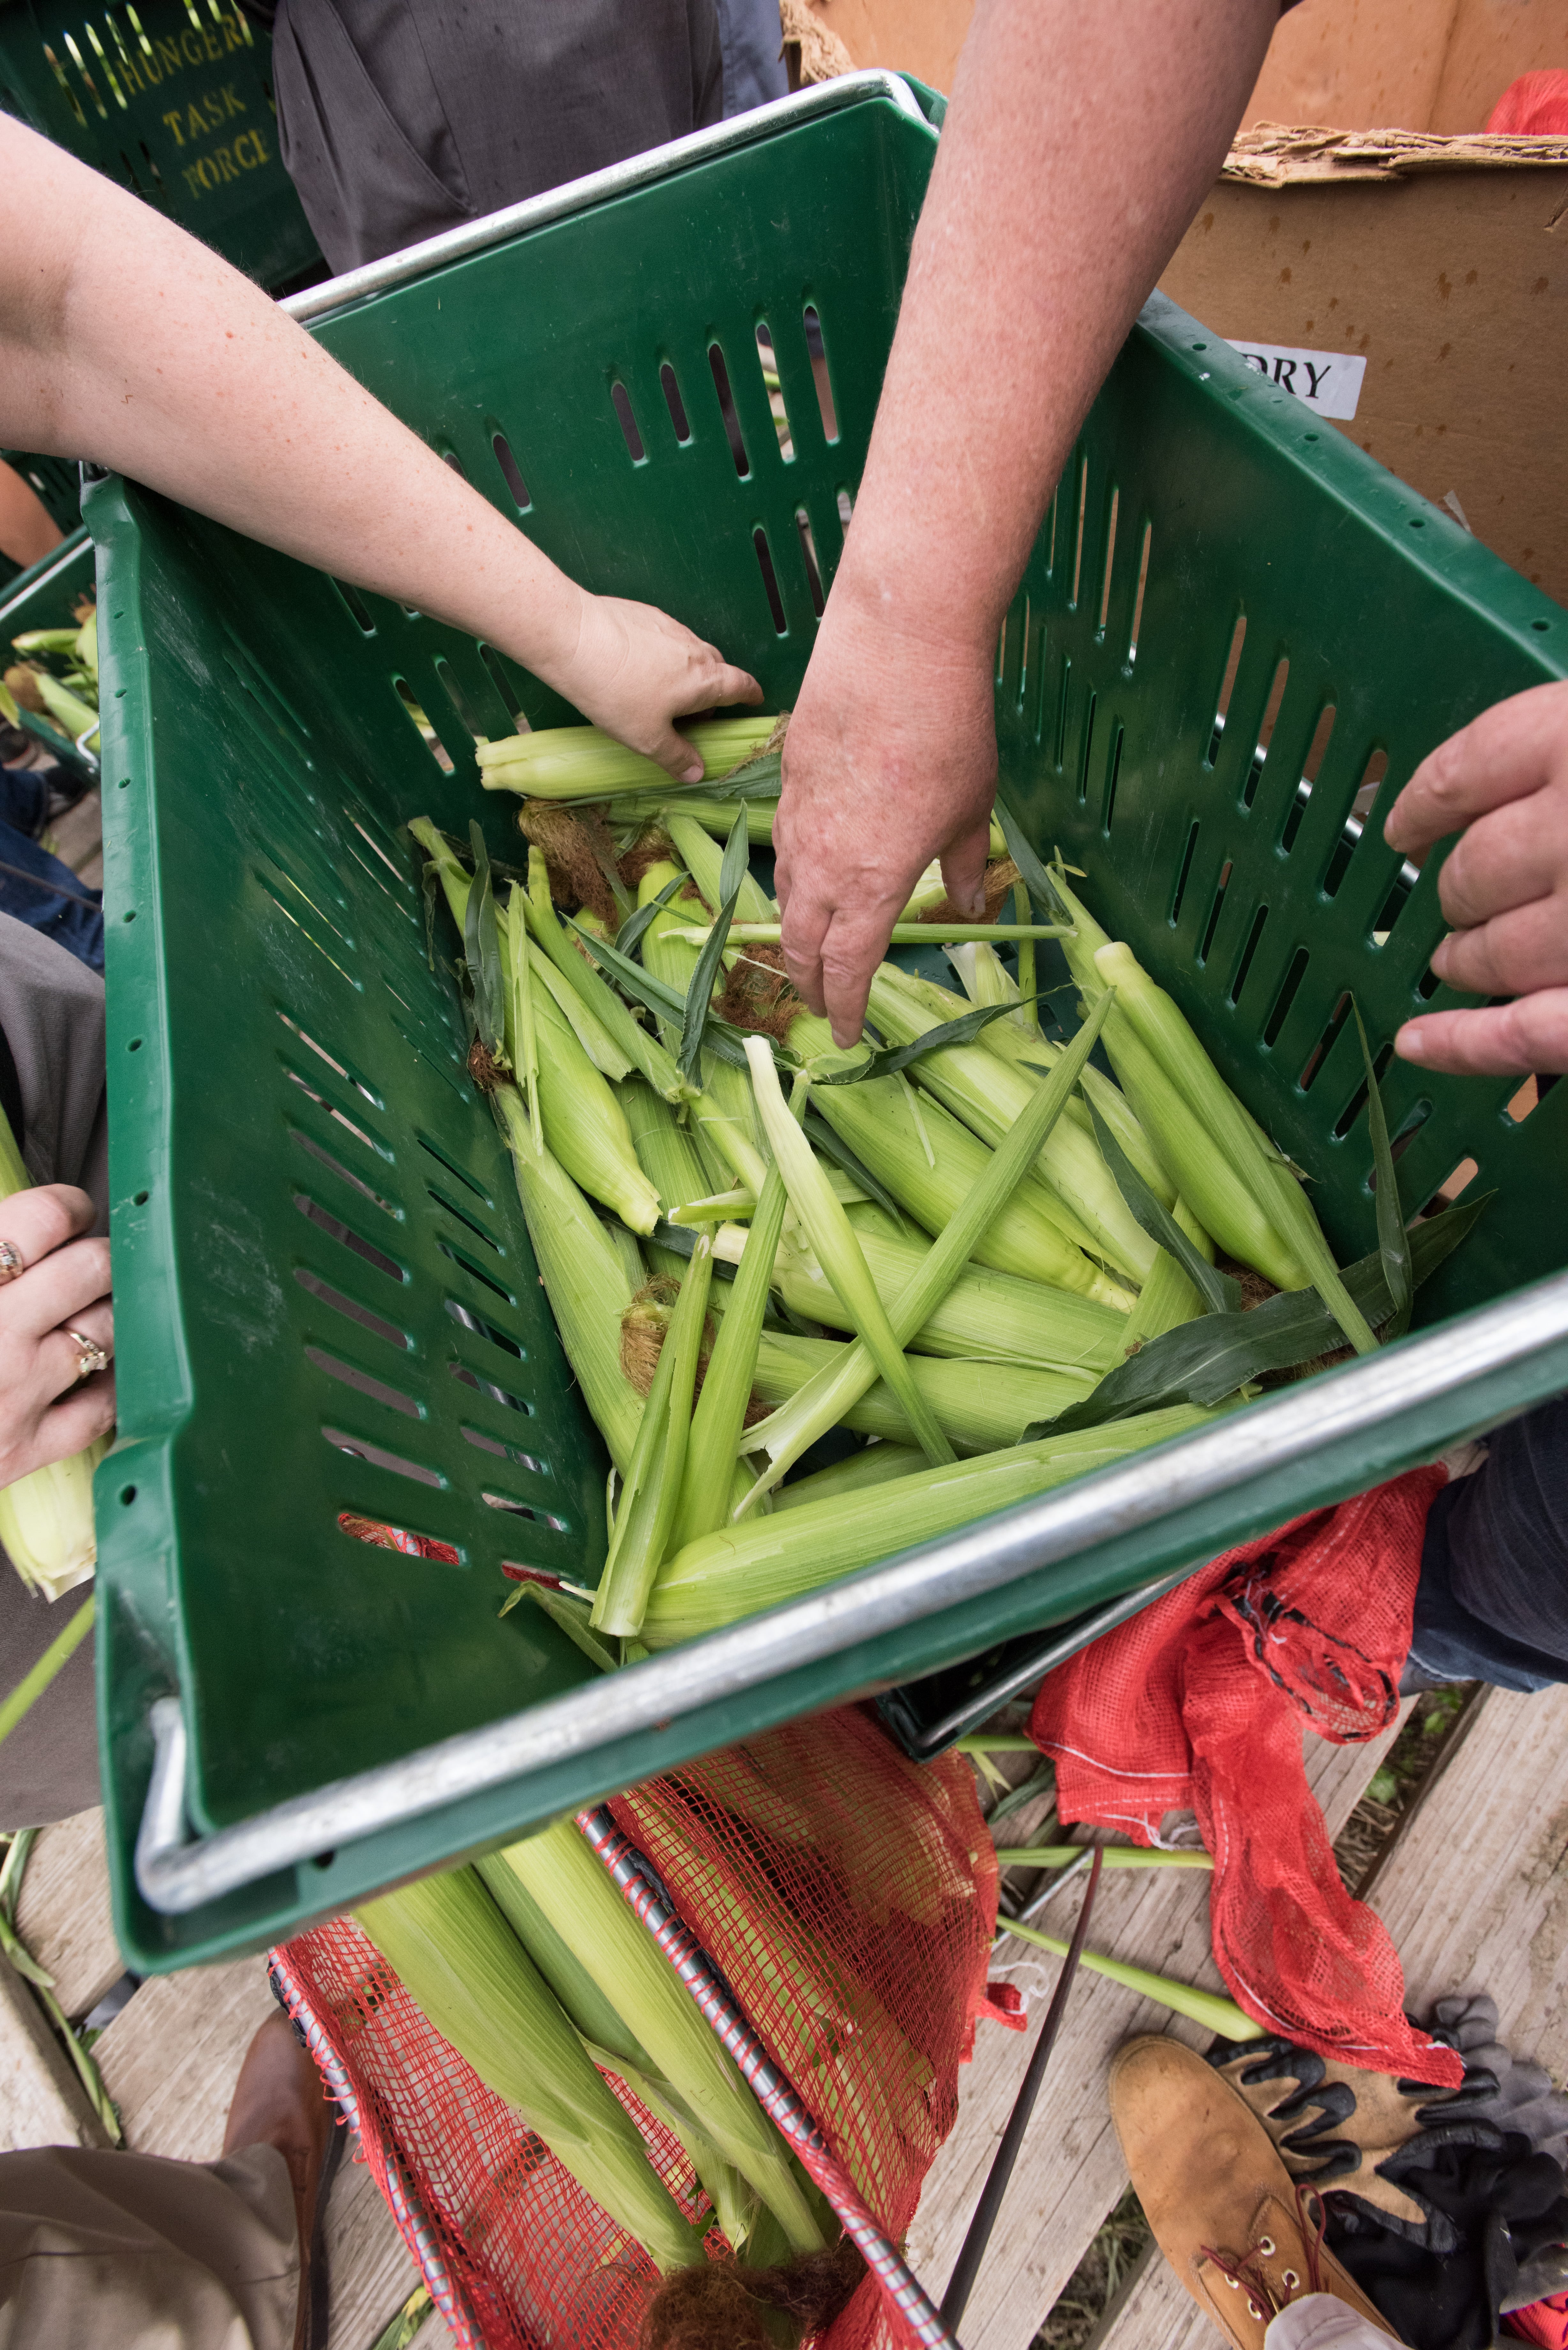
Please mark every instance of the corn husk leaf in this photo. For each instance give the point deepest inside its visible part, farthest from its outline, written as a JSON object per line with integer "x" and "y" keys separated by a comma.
{"x": 1202, "y": 2007}
{"x": 1219, "y": 1293}
{"x": 1207, "y": 1360}
{"x": 1393, "y": 1240}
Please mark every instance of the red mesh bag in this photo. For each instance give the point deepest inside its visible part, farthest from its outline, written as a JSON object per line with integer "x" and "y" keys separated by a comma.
{"x": 849, "y": 1898}
{"x": 1544, "y": 2322}
{"x": 1200, "y": 1701}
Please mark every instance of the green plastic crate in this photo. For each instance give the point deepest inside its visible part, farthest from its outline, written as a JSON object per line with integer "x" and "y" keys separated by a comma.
{"x": 325, "y": 1301}
{"x": 172, "y": 100}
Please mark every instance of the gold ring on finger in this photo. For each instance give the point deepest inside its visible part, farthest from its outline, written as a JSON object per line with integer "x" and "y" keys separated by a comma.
{"x": 92, "y": 1356}
{"x": 11, "y": 1260}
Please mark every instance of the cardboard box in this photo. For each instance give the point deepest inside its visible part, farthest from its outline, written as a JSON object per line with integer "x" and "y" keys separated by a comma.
{"x": 918, "y": 36}
{"x": 1421, "y": 65}
{"x": 1440, "y": 266}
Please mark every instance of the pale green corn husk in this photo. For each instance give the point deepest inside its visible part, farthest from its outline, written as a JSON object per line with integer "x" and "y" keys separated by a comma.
{"x": 47, "y": 1517}
{"x": 761, "y": 1562}
{"x": 722, "y": 1121}
{"x": 1029, "y": 1051}
{"x": 47, "y": 1521}
{"x": 979, "y": 1407}
{"x": 862, "y": 2079}
{"x": 585, "y": 1125}
{"x": 630, "y": 813}
{"x": 584, "y": 1279}
{"x": 652, "y": 1496}
{"x": 46, "y": 640}
{"x": 465, "y": 1970}
{"x": 665, "y": 1150}
{"x": 640, "y": 1049}
{"x": 874, "y": 1119}
{"x": 591, "y": 2014}
{"x": 878, "y": 1465}
{"x": 70, "y": 712}
{"x": 1201, "y": 2007}
{"x": 735, "y": 2206}
{"x": 596, "y": 1040}
{"x": 704, "y": 859}
{"x": 836, "y": 1249}
{"x": 941, "y": 1272}
{"x": 708, "y": 1492}
{"x": 1165, "y": 1033}
{"x": 577, "y": 1897}
{"x": 989, "y": 1095}
{"x": 1167, "y": 1297}
{"x": 985, "y": 979}
{"x": 992, "y": 1315}
{"x": 582, "y": 763}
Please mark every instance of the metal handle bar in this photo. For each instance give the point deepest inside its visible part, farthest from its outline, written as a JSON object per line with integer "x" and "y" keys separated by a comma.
{"x": 176, "y": 1876}
{"x": 599, "y": 187}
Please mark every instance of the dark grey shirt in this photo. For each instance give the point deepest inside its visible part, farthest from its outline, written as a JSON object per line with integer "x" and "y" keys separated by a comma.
{"x": 397, "y": 120}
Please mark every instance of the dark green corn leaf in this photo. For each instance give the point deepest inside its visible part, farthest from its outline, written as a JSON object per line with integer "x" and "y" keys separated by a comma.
{"x": 699, "y": 1005}
{"x": 1393, "y": 1240}
{"x": 726, "y": 1043}
{"x": 630, "y": 935}
{"x": 824, "y": 1139}
{"x": 1040, "y": 1782}
{"x": 1220, "y": 1293}
{"x": 570, "y": 1614}
{"x": 886, "y": 1060}
{"x": 754, "y": 779}
{"x": 1205, "y": 1361}
{"x": 1031, "y": 872}
{"x": 737, "y": 857}
{"x": 482, "y": 945}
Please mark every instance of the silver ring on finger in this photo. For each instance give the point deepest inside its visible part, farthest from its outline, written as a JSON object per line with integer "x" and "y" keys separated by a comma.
{"x": 11, "y": 1260}
{"x": 92, "y": 1356}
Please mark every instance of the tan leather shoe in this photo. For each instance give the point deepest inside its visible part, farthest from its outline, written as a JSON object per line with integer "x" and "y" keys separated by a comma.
{"x": 1224, "y": 2209}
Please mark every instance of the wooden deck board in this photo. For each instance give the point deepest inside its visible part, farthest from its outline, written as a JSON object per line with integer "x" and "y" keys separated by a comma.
{"x": 42, "y": 2101}
{"x": 63, "y": 1912}
{"x": 1474, "y": 1892}
{"x": 1070, "y": 2171}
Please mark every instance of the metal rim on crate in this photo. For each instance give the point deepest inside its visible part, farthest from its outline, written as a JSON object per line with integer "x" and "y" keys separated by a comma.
{"x": 177, "y": 1874}
{"x": 574, "y": 196}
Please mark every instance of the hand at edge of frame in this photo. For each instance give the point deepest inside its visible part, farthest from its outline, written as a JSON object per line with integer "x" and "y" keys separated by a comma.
{"x": 48, "y": 1411}
{"x": 1501, "y": 782}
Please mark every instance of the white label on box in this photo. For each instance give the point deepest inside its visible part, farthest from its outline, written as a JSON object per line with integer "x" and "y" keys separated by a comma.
{"x": 1329, "y": 381}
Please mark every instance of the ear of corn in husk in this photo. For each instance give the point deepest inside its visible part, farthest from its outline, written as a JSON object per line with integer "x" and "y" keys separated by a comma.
{"x": 582, "y": 763}
{"x": 461, "y": 1963}
{"x": 652, "y": 1495}
{"x": 577, "y": 1894}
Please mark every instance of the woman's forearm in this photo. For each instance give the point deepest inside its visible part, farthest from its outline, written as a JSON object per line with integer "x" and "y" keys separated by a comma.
{"x": 125, "y": 340}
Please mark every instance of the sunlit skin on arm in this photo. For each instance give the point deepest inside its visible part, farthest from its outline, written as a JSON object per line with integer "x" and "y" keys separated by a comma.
{"x": 1075, "y": 155}
{"x": 124, "y": 340}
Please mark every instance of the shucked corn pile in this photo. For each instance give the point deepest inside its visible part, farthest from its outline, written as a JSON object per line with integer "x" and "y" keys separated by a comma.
{"x": 962, "y": 1243}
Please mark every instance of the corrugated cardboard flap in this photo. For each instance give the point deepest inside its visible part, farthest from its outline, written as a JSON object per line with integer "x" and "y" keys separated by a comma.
{"x": 1279, "y": 155}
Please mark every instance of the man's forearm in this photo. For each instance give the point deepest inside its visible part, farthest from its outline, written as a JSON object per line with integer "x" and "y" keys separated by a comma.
{"x": 1033, "y": 254}
{"x": 111, "y": 349}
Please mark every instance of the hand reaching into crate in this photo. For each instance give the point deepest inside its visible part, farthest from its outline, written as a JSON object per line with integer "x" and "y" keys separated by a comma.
{"x": 124, "y": 337}
{"x": 1078, "y": 146}
{"x": 1501, "y": 782}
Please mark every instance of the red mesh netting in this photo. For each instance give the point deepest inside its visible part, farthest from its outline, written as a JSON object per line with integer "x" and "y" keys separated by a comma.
{"x": 1200, "y": 1701}
{"x": 849, "y": 1897}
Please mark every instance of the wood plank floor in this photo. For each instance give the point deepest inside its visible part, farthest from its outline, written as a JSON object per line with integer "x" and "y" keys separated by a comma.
{"x": 1071, "y": 2170}
{"x": 1474, "y": 1891}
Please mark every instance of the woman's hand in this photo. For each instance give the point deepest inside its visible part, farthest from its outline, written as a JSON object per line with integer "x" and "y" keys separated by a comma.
{"x": 47, "y": 1410}
{"x": 1502, "y": 782}
{"x": 635, "y": 671}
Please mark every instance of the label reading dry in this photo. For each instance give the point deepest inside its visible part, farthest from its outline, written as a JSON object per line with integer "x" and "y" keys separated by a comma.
{"x": 1329, "y": 381}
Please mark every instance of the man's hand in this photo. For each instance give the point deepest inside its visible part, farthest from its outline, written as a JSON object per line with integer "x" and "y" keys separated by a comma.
{"x": 48, "y": 1411}
{"x": 889, "y": 761}
{"x": 635, "y": 671}
{"x": 1502, "y": 782}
